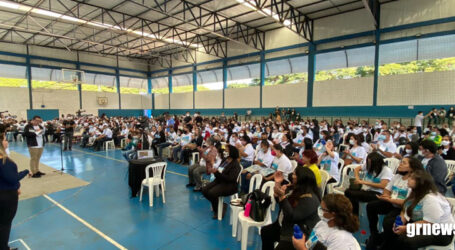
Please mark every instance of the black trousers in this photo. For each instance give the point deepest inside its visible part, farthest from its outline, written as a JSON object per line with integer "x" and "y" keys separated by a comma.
{"x": 271, "y": 234}
{"x": 8, "y": 208}
{"x": 356, "y": 196}
{"x": 377, "y": 207}
{"x": 99, "y": 143}
{"x": 213, "y": 190}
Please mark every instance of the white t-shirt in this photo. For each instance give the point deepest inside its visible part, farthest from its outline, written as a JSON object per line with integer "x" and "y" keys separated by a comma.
{"x": 249, "y": 150}
{"x": 433, "y": 208}
{"x": 389, "y": 147}
{"x": 386, "y": 174}
{"x": 233, "y": 142}
{"x": 358, "y": 152}
{"x": 265, "y": 158}
{"x": 185, "y": 139}
{"x": 283, "y": 164}
{"x": 334, "y": 238}
{"x": 39, "y": 137}
{"x": 418, "y": 120}
{"x": 366, "y": 146}
{"x": 330, "y": 165}
{"x": 398, "y": 188}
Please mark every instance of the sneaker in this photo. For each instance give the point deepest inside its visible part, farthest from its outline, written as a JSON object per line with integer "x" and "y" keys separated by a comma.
{"x": 36, "y": 175}
{"x": 41, "y": 173}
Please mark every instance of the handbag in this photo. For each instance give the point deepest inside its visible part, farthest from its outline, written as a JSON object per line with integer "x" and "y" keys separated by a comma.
{"x": 259, "y": 204}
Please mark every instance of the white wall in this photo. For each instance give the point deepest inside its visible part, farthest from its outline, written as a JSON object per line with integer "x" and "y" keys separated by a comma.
{"x": 209, "y": 99}
{"x": 349, "y": 92}
{"x": 285, "y": 95}
{"x": 182, "y": 100}
{"x": 344, "y": 24}
{"x": 430, "y": 88}
{"x": 130, "y": 101}
{"x": 90, "y": 102}
{"x": 242, "y": 98}
{"x": 66, "y": 101}
{"x": 15, "y": 100}
{"x": 161, "y": 101}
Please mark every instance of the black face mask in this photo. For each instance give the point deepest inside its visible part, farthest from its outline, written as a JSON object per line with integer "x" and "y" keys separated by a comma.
{"x": 403, "y": 173}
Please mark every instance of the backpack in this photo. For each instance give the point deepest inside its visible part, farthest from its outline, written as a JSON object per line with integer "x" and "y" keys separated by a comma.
{"x": 259, "y": 204}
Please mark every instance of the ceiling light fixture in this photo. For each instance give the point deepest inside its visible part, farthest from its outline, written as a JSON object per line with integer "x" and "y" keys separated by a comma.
{"x": 265, "y": 12}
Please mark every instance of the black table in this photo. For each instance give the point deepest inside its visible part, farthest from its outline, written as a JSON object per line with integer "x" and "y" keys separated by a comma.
{"x": 136, "y": 173}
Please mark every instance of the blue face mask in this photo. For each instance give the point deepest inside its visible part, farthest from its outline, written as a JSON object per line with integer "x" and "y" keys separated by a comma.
{"x": 381, "y": 138}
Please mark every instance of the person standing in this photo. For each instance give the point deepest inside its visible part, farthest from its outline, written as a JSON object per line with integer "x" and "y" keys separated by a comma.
{"x": 69, "y": 125}
{"x": 9, "y": 190}
{"x": 34, "y": 133}
{"x": 418, "y": 122}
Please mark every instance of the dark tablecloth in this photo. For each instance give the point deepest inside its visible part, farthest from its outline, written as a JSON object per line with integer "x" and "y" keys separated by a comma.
{"x": 136, "y": 173}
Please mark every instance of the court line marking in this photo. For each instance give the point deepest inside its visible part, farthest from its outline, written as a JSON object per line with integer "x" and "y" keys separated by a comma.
{"x": 110, "y": 240}
{"x": 22, "y": 242}
{"x": 110, "y": 158}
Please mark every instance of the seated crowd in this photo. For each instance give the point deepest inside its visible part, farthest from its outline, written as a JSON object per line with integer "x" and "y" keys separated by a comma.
{"x": 294, "y": 153}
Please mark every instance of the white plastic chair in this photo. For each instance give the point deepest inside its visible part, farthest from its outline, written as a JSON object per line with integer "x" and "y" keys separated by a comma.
{"x": 255, "y": 183}
{"x": 20, "y": 137}
{"x": 234, "y": 196}
{"x": 123, "y": 143}
{"x": 324, "y": 179}
{"x": 158, "y": 179}
{"x": 294, "y": 164}
{"x": 195, "y": 158}
{"x": 109, "y": 145}
{"x": 340, "y": 163}
{"x": 392, "y": 163}
{"x": 450, "y": 169}
{"x": 451, "y": 245}
{"x": 247, "y": 222}
{"x": 344, "y": 179}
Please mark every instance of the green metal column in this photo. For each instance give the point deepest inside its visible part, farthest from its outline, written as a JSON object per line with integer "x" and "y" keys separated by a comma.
{"x": 117, "y": 79}
{"x": 376, "y": 58}
{"x": 262, "y": 77}
{"x": 79, "y": 86}
{"x": 194, "y": 85}
{"x": 224, "y": 79}
{"x": 29, "y": 78}
{"x": 170, "y": 86}
{"x": 311, "y": 74}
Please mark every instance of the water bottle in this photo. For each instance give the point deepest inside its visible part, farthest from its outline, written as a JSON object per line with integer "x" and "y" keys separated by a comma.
{"x": 298, "y": 234}
{"x": 398, "y": 222}
{"x": 247, "y": 211}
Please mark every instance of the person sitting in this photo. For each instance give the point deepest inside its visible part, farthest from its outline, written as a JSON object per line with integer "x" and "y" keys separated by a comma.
{"x": 208, "y": 158}
{"x": 446, "y": 150}
{"x": 196, "y": 141}
{"x": 385, "y": 145}
{"x": 264, "y": 158}
{"x": 434, "y": 164}
{"x": 298, "y": 203}
{"x": 281, "y": 164}
{"x": 246, "y": 151}
{"x": 411, "y": 149}
{"x": 106, "y": 136}
{"x": 159, "y": 138}
{"x": 225, "y": 183}
{"x": 328, "y": 161}
{"x": 390, "y": 203}
{"x": 185, "y": 138}
{"x": 309, "y": 160}
{"x": 337, "y": 224}
{"x": 377, "y": 176}
{"x": 425, "y": 205}
{"x": 171, "y": 137}
{"x": 356, "y": 154}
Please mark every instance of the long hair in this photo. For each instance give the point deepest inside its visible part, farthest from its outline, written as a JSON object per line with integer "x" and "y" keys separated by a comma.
{"x": 374, "y": 167}
{"x": 2, "y": 149}
{"x": 342, "y": 207}
{"x": 424, "y": 184}
{"x": 306, "y": 183}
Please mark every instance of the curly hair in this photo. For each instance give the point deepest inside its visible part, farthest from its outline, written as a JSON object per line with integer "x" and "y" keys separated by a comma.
{"x": 342, "y": 207}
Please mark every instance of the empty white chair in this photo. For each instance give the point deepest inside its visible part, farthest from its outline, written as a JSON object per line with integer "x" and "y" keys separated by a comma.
{"x": 324, "y": 179}
{"x": 247, "y": 222}
{"x": 451, "y": 245}
{"x": 158, "y": 179}
{"x": 255, "y": 183}
{"x": 195, "y": 158}
{"x": 109, "y": 145}
{"x": 392, "y": 163}
{"x": 234, "y": 196}
{"x": 123, "y": 143}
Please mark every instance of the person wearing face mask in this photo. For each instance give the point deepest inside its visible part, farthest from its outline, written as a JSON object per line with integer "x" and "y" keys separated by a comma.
{"x": 446, "y": 150}
{"x": 287, "y": 144}
{"x": 9, "y": 190}
{"x": 435, "y": 136}
{"x": 264, "y": 158}
{"x": 377, "y": 176}
{"x": 281, "y": 164}
{"x": 234, "y": 139}
{"x": 390, "y": 203}
{"x": 206, "y": 162}
{"x": 334, "y": 230}
{"x": 298, "y": 203}
{"x": 356, "y": 154}
{"x": 424, "y": 205}
{"x": 434, "y": 164}
{"x": 411, "y": 149}
{"x": 385, "y": 145}
{"x": 309, "y": 160}
{"x": 451, "y": 115}
{"x": 328, "y": 161}
{"x": 225, "y": 183}
{"x": 319, "y": 145}
{"x": 246, "y": 151}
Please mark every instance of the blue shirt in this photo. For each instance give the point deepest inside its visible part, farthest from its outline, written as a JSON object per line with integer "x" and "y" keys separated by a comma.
{"x": 169, "y": 122}
{"x": 9, "y": 177}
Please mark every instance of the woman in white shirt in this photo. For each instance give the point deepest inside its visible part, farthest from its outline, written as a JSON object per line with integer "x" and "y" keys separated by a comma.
{"x": 377, "y": 176}
{"x": 246, "y": 151}
{"x": 390, "y": 202}
{"x": 328, "y": 161}
{"x": 281, "y": 163}
{"x": 264, "y": 158}
{"x": 356, "y": 154}
{"x": 334, "y": 230}
{"x": 425, "y": 205}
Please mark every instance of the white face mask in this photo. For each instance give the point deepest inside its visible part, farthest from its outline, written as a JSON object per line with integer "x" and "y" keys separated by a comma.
{"x": 321, "y": 215}
{"x": 226, "y": 154}
{"x": 351, "y": 142}
{"x": 445, "y": 143}
{"x": 408, "y": 151}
